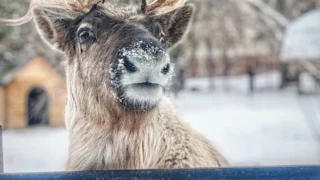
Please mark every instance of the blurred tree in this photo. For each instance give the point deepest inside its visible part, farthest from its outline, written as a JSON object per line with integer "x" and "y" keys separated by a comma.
{"x": 18, "y": 44}
{"x": 291, "y": 9}
{"x": 223, "y": 29}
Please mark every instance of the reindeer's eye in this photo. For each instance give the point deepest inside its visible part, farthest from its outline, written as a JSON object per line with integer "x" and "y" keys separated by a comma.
{"x": 84, "y": 36}
{"x": 166, "y": 69}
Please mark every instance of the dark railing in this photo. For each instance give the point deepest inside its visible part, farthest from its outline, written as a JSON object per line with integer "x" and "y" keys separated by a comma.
{"x": 276, "y": 173}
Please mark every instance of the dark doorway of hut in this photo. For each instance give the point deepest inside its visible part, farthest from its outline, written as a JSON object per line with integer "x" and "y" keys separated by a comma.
{"x": 38, "y": 110}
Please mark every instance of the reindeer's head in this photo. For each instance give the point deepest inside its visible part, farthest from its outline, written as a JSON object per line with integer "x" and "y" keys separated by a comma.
{"x": 115, "y": 50}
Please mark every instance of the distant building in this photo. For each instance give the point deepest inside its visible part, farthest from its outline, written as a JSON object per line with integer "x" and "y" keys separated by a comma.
{"x": 32, "y": 94}
{"x": 301, "y": 45}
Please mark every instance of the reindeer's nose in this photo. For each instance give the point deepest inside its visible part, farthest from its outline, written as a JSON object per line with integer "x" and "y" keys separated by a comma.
{"x": 129, "y": 65}
{"x": 165, "y": 69}
{"x": 131, "y": 68}
{"x": 145, "y": 63}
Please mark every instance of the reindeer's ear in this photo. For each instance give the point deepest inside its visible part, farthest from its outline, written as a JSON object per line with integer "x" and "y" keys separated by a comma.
{"x": 53, "y": 25}
{"x": 174, "y": 24}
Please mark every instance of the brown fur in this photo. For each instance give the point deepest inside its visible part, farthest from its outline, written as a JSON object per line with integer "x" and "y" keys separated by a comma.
{"x": 103, "y": 133}
{"x": 157, "y": 139}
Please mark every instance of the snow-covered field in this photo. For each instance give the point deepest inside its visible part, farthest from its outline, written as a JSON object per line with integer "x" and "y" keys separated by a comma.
{"x": 270, "y": 127}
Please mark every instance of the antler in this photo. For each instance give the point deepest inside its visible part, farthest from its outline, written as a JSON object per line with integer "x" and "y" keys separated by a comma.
{"x": 75, "y": 5}
{"x": 161, "y": 6}
{"x": 81, "y": 5}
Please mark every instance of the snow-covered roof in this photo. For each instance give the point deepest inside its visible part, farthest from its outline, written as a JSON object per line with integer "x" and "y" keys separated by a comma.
{"x": 302, "y": 39}
{"x": 7, "y": 76}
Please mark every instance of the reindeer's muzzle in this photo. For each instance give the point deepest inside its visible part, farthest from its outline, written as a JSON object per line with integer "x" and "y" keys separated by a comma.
{"x": 145, "y": 65}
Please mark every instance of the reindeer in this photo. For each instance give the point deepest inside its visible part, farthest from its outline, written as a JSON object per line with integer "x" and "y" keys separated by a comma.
{"x": 118, "y": 114}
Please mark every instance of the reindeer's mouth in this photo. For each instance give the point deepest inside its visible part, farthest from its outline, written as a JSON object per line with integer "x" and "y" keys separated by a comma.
{"x": 147, "y": 85}
{"x": 144, "y": 95}
{"x": 145, "y": 89}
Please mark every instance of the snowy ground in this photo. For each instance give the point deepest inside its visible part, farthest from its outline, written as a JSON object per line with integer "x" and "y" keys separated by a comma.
{"x": 268, "y": 128}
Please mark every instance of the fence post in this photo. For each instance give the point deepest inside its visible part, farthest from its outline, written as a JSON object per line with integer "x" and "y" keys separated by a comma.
{"x": 1, "y": 152}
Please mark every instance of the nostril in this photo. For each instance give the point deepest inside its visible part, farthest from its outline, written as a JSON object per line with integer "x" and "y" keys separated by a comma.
{"x": 166, "y": 69}
{"x": 129, "y": 65}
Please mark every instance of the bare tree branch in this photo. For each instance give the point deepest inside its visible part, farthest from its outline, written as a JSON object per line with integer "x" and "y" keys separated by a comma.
{"x": 273, "y": 14}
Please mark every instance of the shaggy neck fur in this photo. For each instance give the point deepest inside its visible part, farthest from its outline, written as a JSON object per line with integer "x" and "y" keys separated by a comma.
{"x": 104, "y": 111}
{"x": 109, "y": 137}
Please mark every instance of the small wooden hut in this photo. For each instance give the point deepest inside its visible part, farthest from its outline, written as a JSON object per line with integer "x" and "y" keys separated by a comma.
{"x": 33, "y": 93}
